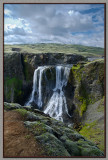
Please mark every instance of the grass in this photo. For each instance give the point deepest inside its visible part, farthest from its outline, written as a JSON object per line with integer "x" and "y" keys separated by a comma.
{"x": 56, "y": 48}
{"x": 93, "y": 133}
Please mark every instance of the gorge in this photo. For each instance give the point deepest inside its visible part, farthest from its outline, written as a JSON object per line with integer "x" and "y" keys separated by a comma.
{"x": 66, "y": 87}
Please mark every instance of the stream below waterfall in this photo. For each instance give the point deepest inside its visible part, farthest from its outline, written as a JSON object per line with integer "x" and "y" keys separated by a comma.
{"x": 56, "y": 105}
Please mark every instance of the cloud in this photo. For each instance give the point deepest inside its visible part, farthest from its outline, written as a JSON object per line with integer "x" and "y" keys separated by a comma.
{"x": 7, "y": 12}
{"x": 55, "y": 23}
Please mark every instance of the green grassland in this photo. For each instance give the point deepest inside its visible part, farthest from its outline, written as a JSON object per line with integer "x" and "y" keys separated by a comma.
{"x": 56, "y": 48}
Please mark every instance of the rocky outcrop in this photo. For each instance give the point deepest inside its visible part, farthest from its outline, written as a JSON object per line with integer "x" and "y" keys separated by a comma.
{"x": 58, "y": 139}
{"x": 87, "y": 100}
{"x": 52, "y": 58}
{"x": 88, "y": 83}
{"x": 16, "y": 85}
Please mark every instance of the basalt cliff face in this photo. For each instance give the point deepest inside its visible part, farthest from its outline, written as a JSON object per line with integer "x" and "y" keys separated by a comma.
{"x": 19, "y": 69}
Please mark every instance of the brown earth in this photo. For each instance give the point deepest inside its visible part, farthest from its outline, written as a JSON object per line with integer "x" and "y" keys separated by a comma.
{"x": 18, "y": 141}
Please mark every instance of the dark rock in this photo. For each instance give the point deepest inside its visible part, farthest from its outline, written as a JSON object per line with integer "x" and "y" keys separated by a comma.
{"x": 16, "y": 49}
{"x": 12, "y": 106}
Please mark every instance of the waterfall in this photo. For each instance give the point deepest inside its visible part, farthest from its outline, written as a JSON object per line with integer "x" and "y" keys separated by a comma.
{"x": 57, "y": 104}
{"x": 36, "y": 95}
{"x": 56, "y": 107}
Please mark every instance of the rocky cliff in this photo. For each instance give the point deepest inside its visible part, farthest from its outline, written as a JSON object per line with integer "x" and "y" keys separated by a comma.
{"x": 87, "y": 103}
{"x": 19, "y": 69}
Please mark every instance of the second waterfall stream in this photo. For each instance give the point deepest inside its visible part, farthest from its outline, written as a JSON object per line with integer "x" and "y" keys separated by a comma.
{"x": 57, "y": 105}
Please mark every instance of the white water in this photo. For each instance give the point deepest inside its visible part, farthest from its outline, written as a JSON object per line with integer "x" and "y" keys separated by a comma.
{"x": 37, "y": 87}
{"x": 57, "y": 104}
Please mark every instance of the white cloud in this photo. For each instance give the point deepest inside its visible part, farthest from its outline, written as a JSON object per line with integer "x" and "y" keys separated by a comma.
{"x": 7, "y": 12}
{"x": 77, "y": 24}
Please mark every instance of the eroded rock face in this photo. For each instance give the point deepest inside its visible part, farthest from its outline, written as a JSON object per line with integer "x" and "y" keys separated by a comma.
{"x": 88, "y": 83}
{"x": 19, "y": 69}
{"x": 88, "y": 100}
{"x": 52, "y": 59}
{"x": 57, "y": 138}
{"x": 16, "y": 87}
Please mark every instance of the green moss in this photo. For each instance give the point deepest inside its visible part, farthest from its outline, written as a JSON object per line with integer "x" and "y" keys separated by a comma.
{"x": 23, "y": 112}
{"x": 39, "y": 128}
{"x": 74, "y": 67}
{"x": 27, "y": 137}
{"x": 82, "y": 97}
{"x": 83, "y": 107}
{"x": 76, "y": 71}
{"x": 13, "y": 88}
{"x": 93, "y": 133}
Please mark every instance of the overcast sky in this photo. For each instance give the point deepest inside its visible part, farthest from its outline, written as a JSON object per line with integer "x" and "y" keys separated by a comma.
{"x": 54, "y": 23}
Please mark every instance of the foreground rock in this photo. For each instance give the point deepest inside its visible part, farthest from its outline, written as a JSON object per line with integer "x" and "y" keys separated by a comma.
{"x": 57, "y": 138}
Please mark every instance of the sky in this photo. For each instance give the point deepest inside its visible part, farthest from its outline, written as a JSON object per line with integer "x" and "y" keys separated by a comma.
{"x": 54, "y": 23}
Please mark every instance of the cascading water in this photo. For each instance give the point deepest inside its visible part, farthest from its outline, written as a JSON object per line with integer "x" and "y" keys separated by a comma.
{"x": 57, "y": 105}
{"x": 36, "y": 95}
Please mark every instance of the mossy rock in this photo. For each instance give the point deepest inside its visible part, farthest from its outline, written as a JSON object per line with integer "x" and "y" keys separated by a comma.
{"x": 53, "y": 146}
{"x": 88, "y": 81}
{"x": 72, "y": 148}
{"x": 92, "y": 132}
{"x": 56, "y": 137}
{"x": 23, "y": 112}
{"x": 38, "y": 127}
{"x": 88, "y": 149}
{"x": 12, "y": 106}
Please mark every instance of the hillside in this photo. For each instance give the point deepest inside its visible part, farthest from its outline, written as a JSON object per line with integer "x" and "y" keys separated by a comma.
{"x": 56, "y": 48}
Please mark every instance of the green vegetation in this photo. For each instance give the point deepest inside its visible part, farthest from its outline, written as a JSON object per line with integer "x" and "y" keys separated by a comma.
{"x": 56, "y": 48}
{"x": 92, "y": 132}
{"x": 13, "y": 87}
{"x": 23, "y": 112}
{"x": 39, "y": 128}
{"x": 81, "y": 93}
{"x": 27, "y": 137}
